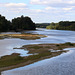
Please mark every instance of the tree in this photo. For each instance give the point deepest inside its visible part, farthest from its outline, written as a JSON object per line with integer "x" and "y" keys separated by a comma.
{"x": 4, "y": 24}
{"x": 62, "y": 25}
{"x": 23, "y": 23}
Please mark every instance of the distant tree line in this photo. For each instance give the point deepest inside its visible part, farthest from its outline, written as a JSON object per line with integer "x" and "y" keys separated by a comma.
{"x": 17, "y": 24}
{"x": 42, "y": 25}
{"x": 62, "y": 25}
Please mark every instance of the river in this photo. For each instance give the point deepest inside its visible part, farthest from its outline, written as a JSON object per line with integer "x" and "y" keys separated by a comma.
{"x": 60, "y": 65}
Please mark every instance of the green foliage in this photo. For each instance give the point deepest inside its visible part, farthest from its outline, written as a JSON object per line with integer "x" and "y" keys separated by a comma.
{"x": 53, "y": 26}
{"x": 4, "y": 24}
{"x": 42, "y": 25}
{"x": 62, "y": 25}
{"x": 36, "y": 47}
{"x": 23, "y": 23}
{"x": 68, "y": 44}
{"x": 57, "y": 45}
{"x": 10, "y": 60}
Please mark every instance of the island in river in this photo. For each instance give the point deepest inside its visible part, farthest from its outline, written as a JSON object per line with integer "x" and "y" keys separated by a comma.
{"x": 22, "y": 36}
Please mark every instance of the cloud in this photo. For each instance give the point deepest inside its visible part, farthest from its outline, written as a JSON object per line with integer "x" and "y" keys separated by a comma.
{"x": 12, "y": 8}
{"x": 12, "y": 5}
{"x": 44, "y": 1}
{"x": 54, "y": 3}
{"x": 57, "y": 7}
{"x": 67, "y": 9}
{"x": 72, "y": 8}
{"x": 49, "y": 8}
{"x": 15, "y": 5}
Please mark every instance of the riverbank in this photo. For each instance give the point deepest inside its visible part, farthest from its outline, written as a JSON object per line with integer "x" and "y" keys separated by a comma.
{"x": 22, "y": 36}
{"x": 39, "y": 52}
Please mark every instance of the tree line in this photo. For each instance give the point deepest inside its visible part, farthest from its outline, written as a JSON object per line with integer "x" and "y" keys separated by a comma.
{"x": 17, "y": 24}
{"x": 42, "y": 25}
{"x": 62, "y": 25}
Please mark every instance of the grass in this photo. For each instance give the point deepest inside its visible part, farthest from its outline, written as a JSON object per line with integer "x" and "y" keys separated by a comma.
{"x": 68, "y": 44}
{"x": 14, "y": 59}
{"x": 10, "y": 60}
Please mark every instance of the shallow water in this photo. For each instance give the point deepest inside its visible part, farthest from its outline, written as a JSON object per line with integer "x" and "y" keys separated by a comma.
{"x": 60, "y": 65}
{"x": 63, "y": 64}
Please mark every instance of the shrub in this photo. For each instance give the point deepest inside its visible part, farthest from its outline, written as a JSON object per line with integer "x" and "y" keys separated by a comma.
{"x": 68, "y": 43}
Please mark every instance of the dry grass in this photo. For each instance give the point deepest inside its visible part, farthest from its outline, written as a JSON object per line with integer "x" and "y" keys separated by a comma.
{"x": 22, "y": 36}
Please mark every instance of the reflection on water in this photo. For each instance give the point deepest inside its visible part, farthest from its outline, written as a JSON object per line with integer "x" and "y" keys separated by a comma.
{"x": 22, "y": 52}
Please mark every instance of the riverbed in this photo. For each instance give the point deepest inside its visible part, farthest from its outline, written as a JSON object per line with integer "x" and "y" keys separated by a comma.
{"x": 60, "y": 65}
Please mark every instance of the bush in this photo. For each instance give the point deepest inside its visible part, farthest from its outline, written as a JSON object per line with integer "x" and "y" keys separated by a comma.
{"x": 68, "y": 43}
{"x": 57, "y": 45}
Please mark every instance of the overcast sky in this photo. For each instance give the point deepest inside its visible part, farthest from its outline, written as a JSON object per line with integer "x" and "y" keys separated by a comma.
{"x": 39, "y": 10}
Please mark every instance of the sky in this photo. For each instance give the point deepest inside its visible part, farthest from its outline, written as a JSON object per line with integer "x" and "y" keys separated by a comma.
{"x": 40, "y": 11}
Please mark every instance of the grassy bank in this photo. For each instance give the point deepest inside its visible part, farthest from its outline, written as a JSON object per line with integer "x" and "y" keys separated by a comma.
{"x": 22, "y": 36}
{"x": 39, "y": 51}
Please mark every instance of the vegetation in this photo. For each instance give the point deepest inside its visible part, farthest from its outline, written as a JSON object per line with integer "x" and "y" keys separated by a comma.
{"x": 62, "y": 25}
{"x": 17, "y": 24}
{"x": 42, "y": 25}
{"x": 10, "y": 59}
{"x": 68, "y": 44}
{"x": 22, "y": 23}
{"x": 22, "y": 36}
{"x": 4, "y": 24}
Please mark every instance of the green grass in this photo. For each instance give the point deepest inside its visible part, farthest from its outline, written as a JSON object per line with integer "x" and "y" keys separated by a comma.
{"x": 10, "y": 60}
{"x": 15, "y": 59}
{"x": 68, "y": 44}
{"x": 36, "y": 47}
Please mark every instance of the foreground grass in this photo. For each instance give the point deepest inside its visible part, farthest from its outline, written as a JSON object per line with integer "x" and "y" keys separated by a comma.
{"x": 22, "y": 36}
{"x": 39, "y": 51}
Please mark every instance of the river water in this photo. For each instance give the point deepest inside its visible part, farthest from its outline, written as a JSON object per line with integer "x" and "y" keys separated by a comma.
{"x": 60, "y": 65}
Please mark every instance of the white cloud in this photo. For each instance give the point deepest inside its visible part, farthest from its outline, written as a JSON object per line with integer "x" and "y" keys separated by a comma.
{"x": 39, "y": 10}
{"x": 13, "y": 5}
{"x": 71, "y": 1}
{"x": 45, "y": 1}
{"x": 49, "y": 8}
{"x": 54, "y": 3}
{"x": 51, "y": 1}
{"x": 67, "y": 9}
{"x": 35, "y": 1}
{"x": 12, "y": 8}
